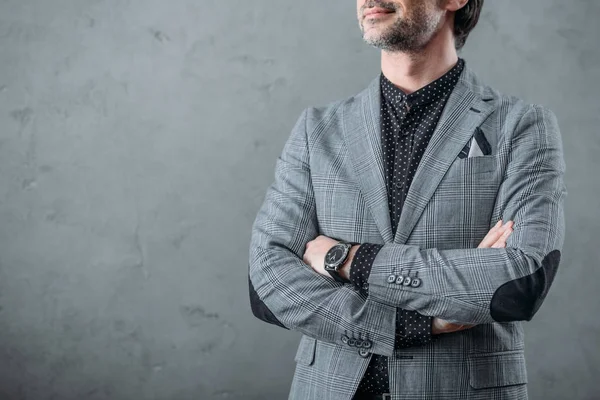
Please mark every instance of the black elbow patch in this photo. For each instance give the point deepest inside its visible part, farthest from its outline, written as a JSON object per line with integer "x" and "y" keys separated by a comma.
{"x": 260, "y": 309}
{"x": 520, "y": 299}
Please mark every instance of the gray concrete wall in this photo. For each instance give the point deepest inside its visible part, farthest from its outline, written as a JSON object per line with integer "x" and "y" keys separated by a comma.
{"x": 137, "y": 139}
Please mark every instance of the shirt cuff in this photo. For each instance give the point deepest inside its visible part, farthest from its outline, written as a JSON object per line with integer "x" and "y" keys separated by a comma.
{"x": 360, "y": 268}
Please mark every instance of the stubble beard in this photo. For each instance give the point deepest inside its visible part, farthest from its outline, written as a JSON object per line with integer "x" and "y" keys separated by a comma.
{"x": 402, "y": 35}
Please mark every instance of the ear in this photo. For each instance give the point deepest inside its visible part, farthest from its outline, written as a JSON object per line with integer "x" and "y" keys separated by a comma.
{"x": 454, "y": 5}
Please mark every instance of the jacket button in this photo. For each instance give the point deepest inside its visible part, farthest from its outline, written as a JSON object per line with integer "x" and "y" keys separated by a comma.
{"x": 416, "y": 282}
{"x": 364, "y": 353}
{"x": 407, "y": 281}
{"x": 391, "y": 278}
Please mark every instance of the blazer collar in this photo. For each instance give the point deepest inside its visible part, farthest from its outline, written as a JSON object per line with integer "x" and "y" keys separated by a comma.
{"x": 467, "y": 107}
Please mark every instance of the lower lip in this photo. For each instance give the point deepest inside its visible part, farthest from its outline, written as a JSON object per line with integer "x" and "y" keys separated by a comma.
{"x": 377, "y": 15}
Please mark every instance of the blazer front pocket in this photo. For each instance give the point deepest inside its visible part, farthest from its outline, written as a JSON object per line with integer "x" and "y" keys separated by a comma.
{"x": 306, "y": 350}
{"x": 497, "y": 369}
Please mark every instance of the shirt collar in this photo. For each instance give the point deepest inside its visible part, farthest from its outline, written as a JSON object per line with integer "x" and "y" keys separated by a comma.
{"x": 427, "y": 94}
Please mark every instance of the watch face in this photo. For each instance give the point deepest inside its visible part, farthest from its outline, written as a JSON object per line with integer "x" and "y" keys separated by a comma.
{"x": 335, "y": 254}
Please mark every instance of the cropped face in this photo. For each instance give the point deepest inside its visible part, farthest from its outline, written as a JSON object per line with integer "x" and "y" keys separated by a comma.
{"x": 400, "y": 25}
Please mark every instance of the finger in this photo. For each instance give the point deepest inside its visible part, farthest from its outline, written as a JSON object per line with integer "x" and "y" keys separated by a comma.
{"x": 466, "y": 326}
{"x": 496, "y": 233}
{"x": 463, "y": 327}
{"x": 455, "y": 328}
{"x": 492, "y": 235}
{"x": 489, "y": 238}
{"x": 501, "y": 242}
{"x": 496, "y": 227}
{"x": 505, "y": 235}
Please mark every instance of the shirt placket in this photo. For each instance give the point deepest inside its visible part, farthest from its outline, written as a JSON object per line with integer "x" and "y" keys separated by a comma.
{"x": 406, "y": 138}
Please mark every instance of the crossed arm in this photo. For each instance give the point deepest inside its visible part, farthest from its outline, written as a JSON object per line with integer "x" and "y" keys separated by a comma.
{"x": 288, "y": 293}
{"x": 357, "y": 269}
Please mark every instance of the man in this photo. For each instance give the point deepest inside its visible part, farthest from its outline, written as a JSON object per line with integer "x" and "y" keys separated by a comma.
{"x": 382, "y": 240}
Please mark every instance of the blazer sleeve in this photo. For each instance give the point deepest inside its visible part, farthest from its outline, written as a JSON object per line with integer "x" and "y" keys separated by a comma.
{"x": 412, "y": 328}
{"x": 285, "y": 291}
{"x": 485, "y": 285}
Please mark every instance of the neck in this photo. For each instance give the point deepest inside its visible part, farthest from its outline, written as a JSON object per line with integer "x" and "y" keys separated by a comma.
{"x": 412, "y": 71}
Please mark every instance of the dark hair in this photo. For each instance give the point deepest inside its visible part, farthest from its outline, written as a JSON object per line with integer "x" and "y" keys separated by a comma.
{"x": 465, "y": 20}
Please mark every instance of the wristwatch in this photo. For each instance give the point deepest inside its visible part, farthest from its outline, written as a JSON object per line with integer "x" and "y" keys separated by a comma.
{"x": 336, "y": 257}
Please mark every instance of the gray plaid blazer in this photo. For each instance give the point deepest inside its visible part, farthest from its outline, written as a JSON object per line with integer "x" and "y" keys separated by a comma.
{"x": 329, "y": 180}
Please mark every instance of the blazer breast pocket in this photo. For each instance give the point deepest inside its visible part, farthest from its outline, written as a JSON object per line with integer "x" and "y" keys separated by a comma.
{"x": 471, "y": 168}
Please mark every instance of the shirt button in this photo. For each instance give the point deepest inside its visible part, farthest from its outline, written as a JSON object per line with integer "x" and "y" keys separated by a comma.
{"x": 391, "y": 278}
{"x": 399, "y": 183}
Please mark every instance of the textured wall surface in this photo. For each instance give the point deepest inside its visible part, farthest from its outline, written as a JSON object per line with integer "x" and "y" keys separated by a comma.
{"x": 137, "y": 140}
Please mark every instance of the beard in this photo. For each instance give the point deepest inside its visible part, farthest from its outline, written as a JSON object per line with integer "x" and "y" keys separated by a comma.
{"x": 407, "y": 34}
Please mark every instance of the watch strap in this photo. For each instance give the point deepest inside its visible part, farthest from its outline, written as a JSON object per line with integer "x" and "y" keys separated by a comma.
{"x": 336, "y": 276}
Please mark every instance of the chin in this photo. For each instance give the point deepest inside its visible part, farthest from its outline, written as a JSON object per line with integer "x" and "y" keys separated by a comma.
{"x": 373, "y": 33}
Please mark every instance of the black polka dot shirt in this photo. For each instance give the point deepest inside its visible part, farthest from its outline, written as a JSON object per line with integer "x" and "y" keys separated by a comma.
{"x": 407, "y": 124}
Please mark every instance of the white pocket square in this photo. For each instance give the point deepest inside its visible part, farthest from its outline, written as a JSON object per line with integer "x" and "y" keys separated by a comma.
{"x": 476, "y": 147}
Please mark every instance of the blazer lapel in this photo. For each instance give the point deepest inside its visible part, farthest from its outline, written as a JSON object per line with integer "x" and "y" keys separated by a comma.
{"x": 362, "y": 133}
{"x": 464, "y": 111}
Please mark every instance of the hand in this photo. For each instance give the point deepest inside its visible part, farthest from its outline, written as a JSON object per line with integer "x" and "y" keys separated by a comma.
{"x": 315, "y": 252}
{"x": 495, "y": 238}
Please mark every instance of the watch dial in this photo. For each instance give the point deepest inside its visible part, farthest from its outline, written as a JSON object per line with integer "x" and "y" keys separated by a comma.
{"x": 335, "y": 254}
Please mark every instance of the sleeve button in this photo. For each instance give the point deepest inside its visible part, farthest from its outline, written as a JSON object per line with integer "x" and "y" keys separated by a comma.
{"x": 391, "y": 278}
{"x": 363, "y": 352}
{"x": 416, "y": 282}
